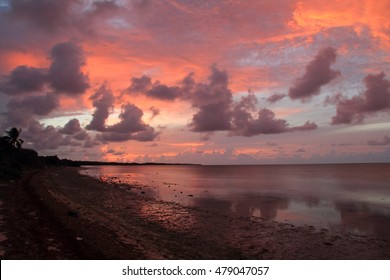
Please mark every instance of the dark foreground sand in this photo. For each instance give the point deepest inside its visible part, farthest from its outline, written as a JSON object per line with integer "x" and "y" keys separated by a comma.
{"x": 58, "y": 214}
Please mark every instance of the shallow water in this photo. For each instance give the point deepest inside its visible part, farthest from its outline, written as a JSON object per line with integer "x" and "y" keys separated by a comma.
{"x": 346, "y": 197}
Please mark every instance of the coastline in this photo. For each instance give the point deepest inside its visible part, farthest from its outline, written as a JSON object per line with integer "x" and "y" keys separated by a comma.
{"x": 56, "y": 213}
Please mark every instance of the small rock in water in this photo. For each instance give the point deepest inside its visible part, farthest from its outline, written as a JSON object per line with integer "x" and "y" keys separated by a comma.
{"x": 73, "y": 214}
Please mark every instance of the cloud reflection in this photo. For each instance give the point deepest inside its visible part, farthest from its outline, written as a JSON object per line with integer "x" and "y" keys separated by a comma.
{"x": 364, "y": 218}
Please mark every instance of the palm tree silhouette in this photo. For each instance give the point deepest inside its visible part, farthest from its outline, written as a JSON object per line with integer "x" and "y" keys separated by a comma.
{"x": 12, "y": 138}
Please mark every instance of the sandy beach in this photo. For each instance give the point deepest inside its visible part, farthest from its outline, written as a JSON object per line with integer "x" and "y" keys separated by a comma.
{"x": 56, "y": 213}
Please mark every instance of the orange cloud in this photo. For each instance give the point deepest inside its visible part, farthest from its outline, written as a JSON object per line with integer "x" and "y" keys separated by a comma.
{"x": 187, "y": 144}
{"x": 314, "y": 15}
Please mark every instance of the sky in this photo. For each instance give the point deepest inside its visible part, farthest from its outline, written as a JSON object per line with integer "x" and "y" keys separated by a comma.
{"x": 209, "y": 82}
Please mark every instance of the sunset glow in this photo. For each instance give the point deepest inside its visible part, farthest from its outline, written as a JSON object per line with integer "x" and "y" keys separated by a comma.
{"x": 210, "y": 82}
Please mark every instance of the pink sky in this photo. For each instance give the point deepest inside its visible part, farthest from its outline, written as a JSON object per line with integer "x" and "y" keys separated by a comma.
{"x": 211, "y": 82}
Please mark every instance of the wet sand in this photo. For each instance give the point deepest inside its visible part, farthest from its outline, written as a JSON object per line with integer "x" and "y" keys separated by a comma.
{"x": 57, "y": 213}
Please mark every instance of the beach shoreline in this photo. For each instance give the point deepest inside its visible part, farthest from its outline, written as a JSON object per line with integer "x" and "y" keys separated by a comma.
{"x": 57, "y": 213}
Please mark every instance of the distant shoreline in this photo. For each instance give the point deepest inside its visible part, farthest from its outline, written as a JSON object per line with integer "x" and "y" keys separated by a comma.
{"x": 83, "y": 163}
{"x": 92, "y": 163}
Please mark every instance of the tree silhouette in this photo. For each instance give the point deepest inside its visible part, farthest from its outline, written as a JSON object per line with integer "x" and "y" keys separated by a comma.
{"x": 11, "y": 139}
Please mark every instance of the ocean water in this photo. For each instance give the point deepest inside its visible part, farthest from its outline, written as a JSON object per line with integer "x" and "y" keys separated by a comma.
{"x": 341, "y": 197}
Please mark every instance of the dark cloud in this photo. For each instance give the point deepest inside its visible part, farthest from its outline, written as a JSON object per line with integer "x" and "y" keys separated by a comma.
{"x": 21, "y": 110}
{"x": 245, "y": 124}
{"x": 265, "y": 123}
{"x": 275, "y": 97}
{"x": 64, "y": 74}
{"x": 213, "y": 117}
{"x": 377, "y": 94}
{"x": 90, "y": 142}
{"x": 27, "y": 24}
{"x": 213, "y": 99}
{"x": 55, "y": 16}
{"x": 37, "y": 105}
{"x": 305, "y": 127}
{"x": 215, "y": 91}
{"x": 216, "y": 110}
{"x": 376, "y": 98}
{"x": 157, "y": 90}
{"x": 242, "y": 115}
{"x": 24, "y": 79}
{"x": 103, "y": 101}
{"x": 164, "y": 92}
{"x": 130, "y": 120}
{"x": 81, "y": 135}
{"x": 130, "y": 126}
{"x": 71, "y": 127}
{"x": 214, "y": 103}
{"x": 383, "y": 142}
{"x": 187, "y": 86}
{"x": 41, "y": 137}
{"x": 317, "y": 74}
{"x": 154, "y": 90}
{"x": 65, "y": 71}
{"x": 46, "y": 14}
{"x": 348, "y": 110}
{"x": 142, "y": 84}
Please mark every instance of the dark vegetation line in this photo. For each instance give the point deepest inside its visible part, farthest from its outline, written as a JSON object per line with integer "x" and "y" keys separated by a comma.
{"x": 14, "y": 158}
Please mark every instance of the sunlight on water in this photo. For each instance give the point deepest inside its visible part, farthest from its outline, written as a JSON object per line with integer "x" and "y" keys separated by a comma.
{"x": 353, "y": 197}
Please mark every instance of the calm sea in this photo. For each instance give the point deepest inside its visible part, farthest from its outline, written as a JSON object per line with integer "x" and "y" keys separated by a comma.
{"x": 346, "y": 197}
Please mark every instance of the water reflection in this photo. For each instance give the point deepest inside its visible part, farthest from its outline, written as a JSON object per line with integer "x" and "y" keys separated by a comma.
{"x": 354, "y": 198}
{"x": 364, "y": 218}
{"x": 266, "y": 207}
{"x": 359, "y": 218}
